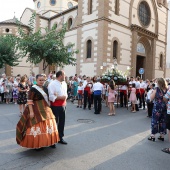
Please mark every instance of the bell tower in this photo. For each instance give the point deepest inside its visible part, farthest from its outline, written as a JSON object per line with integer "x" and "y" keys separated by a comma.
{"x": 57, "y": 6}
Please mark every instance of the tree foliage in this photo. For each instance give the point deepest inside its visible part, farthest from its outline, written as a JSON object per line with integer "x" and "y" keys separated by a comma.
{"x": 8, "y": 51}
{"x": 48, "y": 48}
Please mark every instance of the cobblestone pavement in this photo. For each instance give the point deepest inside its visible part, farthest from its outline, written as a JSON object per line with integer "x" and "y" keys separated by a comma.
{"x": 102, "y": 143}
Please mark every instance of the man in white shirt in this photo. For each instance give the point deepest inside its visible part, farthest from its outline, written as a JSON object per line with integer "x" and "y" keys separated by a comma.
{"x": 97, "y": 89}
{"x": 142, "y": 92}
{"x": 57, "y": 90}
{"x": 87, "y": 85}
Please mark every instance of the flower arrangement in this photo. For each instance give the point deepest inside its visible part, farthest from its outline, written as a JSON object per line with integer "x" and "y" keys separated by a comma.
{"x": 117, "y": 75}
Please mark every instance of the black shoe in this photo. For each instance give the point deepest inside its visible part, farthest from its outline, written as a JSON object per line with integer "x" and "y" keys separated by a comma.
{"x": 161, "y": 138}
{"x": 84, "y": 108}
{"x": 96, "y": 113}
{"x": 89, "y": 108}
{"x": 151, "y": 138}
{"x": 80, "y": 106}
{"x": 62, "y": 142}
{"x": 144, "y": 108}
{"x": 77, "y": 106}
{"x": 53, "y": 146}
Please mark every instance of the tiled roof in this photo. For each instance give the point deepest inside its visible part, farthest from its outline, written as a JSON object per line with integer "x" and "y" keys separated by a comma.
{"x": 12, "y": 21}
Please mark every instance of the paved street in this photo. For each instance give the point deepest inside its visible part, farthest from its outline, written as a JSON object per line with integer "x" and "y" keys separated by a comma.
{"x": 109, "y": 143}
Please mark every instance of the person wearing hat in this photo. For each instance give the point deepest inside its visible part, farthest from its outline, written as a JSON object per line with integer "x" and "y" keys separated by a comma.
{"x": 97, "y": 89}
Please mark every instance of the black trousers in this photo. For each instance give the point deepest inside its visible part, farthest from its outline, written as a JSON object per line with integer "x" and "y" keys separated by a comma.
{"x": 59, "y": 112}
{"x": 150, "y": 108}
{"x": 87, "y": 98}
{"x": 2, "y": 97}
{"x": 97, "y": 103}
{"x": 123, "y": 99}
{"x": 138, "y": 97}
{"x": 142, "y": 100}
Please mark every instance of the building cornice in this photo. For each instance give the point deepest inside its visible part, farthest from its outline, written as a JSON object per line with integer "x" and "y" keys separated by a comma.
{"x": 143, "y": 31}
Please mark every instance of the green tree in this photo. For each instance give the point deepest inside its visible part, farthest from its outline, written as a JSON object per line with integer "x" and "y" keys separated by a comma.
{"x": 8, "y": 51}
{"x": 47, "y": 48}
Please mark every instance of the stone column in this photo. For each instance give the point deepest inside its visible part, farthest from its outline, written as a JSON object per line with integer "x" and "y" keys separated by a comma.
{"x": 133, "y": 52}
{"x": 153, "y": 46}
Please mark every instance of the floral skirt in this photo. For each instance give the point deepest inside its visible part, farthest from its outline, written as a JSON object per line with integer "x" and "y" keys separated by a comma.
{"x": 42, "y": 134}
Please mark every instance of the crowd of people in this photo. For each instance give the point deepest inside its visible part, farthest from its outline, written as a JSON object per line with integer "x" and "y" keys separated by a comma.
{"x": 42, "y": 100}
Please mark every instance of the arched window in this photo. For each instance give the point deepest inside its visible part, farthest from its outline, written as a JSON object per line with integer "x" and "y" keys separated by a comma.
{"x": 90, "y": 6}
{"x": 117, "y": 7}
{"x": 89, "y": 49}
{"x": 115, "y": 49}
{"x": 144, "y": 13}
{"x": 161, "y": 61}
{"x": 70, "y": 22}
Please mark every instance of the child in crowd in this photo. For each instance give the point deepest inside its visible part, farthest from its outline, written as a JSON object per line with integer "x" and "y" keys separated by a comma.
{"x": 132, "y": 97}
{"x": 111, "y": 97}
{"x": 80, "y": 94}
{"x": 15, "y": 93}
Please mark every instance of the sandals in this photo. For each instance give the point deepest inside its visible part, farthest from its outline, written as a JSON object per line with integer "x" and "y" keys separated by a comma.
{"x": 151, "y": 138}
{"x": 166, "y": 150}
{"x": 161, "y": 138}
{"x": 111, "y": 114}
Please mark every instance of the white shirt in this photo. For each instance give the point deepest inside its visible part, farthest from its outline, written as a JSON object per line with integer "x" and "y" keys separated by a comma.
{"x": 143, "y": 85}
{"x": 149, "y": 94}
{"x": 124, "y": 87}
{"x": 56, "y": 87}
{"x": 84, "y": 83}
{"x": 137, "y": 83}
{"x": 97, "y": 86}
{"x": 80, "y": 88}
{"x": 78, "y": 79}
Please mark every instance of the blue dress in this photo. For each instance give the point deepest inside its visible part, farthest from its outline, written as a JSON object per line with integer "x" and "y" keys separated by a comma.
{"x": 158, "y": 124}
{"x": 75, "y": 87}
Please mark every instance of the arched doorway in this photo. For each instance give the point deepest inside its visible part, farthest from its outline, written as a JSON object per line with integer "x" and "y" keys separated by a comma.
{"x": 140, "y": 59}
{"x": 144, "y": 57}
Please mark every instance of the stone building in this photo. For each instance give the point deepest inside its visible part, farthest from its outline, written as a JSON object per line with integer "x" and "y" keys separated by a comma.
{"x": 123, "y": 33}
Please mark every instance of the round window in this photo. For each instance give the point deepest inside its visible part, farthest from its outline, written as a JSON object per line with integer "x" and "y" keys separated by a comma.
{"x": 52, "y": 2}
{"x": 70, "y": 5}
{"x": 7, "y": 29}
{"x": 144, "y": 13}
{"x": 38, "y": 4}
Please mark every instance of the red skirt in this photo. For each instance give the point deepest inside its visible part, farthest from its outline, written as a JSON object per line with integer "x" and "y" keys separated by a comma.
{"x": 40, "y": 135}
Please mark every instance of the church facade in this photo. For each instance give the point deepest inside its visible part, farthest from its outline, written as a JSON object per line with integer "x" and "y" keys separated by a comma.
{"x": 108, "y": 33}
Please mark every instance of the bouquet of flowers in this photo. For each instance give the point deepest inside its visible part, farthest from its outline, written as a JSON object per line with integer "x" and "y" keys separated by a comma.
{"x": 117, "y": 75}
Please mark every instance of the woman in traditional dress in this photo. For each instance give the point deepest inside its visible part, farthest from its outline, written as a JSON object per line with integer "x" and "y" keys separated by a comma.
{"x": 37, "y": 127}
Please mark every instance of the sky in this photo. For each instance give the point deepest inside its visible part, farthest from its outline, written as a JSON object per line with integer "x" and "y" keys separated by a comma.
{"x": 8, "y": 7}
